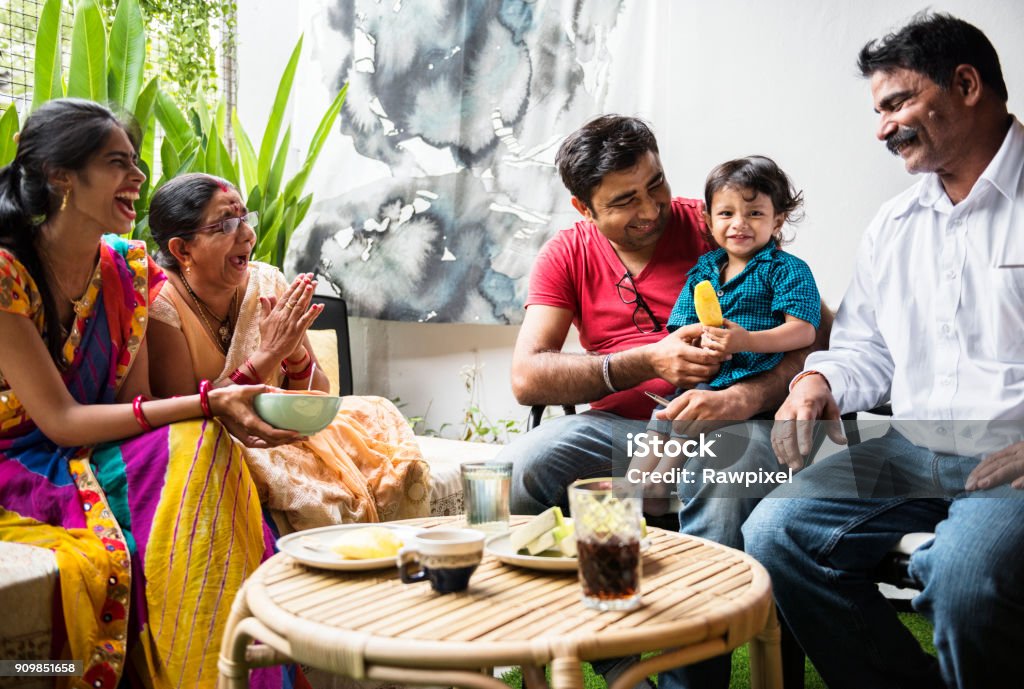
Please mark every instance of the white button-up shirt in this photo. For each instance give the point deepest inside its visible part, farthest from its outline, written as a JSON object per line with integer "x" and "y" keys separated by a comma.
{"x": 933, "y": 319}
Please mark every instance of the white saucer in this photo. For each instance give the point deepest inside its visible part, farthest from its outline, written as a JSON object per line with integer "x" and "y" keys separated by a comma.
{"x": 313, "y": 547}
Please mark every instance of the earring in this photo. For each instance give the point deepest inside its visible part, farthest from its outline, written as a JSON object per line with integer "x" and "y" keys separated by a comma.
{"x": 188, "y": 269}
{"x": 64, "y": 201}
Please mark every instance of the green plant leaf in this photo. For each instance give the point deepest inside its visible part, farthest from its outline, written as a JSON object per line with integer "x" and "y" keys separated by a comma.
{"x": 144, "y": 106}
{"x": 277, "y": 112}
{"x": 300, "y": 214}
{"x": 127, "y": 54}
{"x": 246, "y": 153}
{"x": 87, "y": 76}
{"x": 220, "y": 118}
{"x": 326, "y": 125}
{"x": 47, "y": 83}
{"x": 140, "y": 229}
{"x": 284, "y": 231}
{"x": 169, "y": 159}
{"x": 269, "y": 226}
{"x": 186, "y": 165}
{"x": 141, "y": 204}
{"x": 254, "y": 202}
{"x": 296, "y": 213}
{"x": 218, "y": 160}
{"x": 205, "y": 123}
{"x": 273, "y": 183}
{"x": 269, "y": 221}
{"x": 147, "y": 155}
{"x": 176, "y": 127}
{"x": 270, "y": 245}
{"x": 198, "y": 128}
{"x": 8, "y": 128}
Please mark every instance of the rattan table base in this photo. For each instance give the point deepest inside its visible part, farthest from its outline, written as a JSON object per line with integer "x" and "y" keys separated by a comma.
{"x": 700, "y": 599}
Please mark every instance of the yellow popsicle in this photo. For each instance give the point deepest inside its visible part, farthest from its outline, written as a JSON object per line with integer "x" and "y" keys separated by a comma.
{"x": 709, "y": 311}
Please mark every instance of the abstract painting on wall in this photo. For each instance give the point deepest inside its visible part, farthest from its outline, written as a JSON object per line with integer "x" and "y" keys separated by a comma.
{"x": 455, "y": 110}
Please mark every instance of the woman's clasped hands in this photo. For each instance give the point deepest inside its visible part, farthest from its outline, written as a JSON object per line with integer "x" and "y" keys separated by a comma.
{"x": 286, "y": 319}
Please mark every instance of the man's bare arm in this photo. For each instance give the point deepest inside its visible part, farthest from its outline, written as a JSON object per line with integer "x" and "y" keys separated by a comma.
{"x": 543, "y": 374}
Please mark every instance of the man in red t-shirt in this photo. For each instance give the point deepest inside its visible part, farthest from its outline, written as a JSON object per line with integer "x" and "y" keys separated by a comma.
{"x": 615, "y": 275}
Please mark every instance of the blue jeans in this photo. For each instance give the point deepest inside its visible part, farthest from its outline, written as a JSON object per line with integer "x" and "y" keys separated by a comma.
{"x": 821, "y": 536}
{"x": 561, "y": 450}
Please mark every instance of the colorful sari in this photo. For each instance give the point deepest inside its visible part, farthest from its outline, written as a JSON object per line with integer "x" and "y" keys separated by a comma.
{"x": 153, "y": 536}
{"x": 365, "y": 467}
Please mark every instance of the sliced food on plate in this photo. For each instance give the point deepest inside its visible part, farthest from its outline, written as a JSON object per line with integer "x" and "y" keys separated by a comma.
{"x": 367, "y": 543}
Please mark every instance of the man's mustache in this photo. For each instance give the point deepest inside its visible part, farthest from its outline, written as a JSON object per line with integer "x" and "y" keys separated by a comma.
{"x": 901, "y": 136}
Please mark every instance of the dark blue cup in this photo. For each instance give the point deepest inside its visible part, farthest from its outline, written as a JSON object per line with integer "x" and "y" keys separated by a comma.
{"x": 446, "y": 558}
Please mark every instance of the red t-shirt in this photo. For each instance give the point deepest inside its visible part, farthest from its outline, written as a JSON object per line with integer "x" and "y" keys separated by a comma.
{"x": 577, "y": 269}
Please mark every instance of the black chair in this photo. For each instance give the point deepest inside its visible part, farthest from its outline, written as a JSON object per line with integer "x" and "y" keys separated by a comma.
{"x": 335, "y": 317}
{"x": 537, "y": 414}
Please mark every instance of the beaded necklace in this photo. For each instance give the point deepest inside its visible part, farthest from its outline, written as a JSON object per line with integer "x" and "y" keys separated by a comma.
{"x": 221, "y": 335}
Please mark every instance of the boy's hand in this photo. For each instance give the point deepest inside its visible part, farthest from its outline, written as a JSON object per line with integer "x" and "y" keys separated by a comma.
{"x": 728, "y": 340}
{"x": 674, "y": 359}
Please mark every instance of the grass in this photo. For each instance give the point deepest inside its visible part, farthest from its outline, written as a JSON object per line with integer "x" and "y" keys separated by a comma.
{"x": 919, "y": 626}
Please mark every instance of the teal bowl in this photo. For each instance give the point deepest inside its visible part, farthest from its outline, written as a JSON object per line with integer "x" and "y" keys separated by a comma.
{"x": 307, "y": 414}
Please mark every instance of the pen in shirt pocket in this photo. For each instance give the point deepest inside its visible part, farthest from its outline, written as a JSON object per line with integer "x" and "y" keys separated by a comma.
{"x": 657, "y": 398}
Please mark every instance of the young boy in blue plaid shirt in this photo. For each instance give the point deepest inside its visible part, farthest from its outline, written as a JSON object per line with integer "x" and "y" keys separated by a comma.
{"x": 770, "y": 302}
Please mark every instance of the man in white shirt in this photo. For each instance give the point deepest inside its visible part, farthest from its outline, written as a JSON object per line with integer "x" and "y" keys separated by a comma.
{"x": 933, "y": 320}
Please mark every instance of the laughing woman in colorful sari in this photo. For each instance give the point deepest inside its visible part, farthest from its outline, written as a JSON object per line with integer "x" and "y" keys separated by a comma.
{"x": 228, "y": 319}
{"x": 153, "y": 518}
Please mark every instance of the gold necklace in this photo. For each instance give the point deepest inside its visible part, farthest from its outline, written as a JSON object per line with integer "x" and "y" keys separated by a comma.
{"x": 222, "y": 335}
{"x": 76, "y": 304}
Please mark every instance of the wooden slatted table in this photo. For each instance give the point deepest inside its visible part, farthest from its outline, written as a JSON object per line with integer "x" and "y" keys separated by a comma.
{"x": 700, "y": 599}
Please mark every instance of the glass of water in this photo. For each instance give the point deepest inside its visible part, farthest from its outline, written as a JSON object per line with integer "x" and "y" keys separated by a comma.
{"x": 485, "y": 488}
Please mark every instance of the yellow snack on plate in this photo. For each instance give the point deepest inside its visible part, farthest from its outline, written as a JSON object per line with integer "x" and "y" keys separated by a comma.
{"x": 367, "y": 544}
{"x": 705, "y": 301}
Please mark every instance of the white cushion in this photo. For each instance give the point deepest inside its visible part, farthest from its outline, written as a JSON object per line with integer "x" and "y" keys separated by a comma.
{"x": 28, "y": 580}
{"x": 445, "y": 457}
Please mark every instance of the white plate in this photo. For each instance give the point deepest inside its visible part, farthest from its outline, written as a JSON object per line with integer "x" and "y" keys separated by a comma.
{"x": 313, "y": 547}
{"x": 500, "y": 546}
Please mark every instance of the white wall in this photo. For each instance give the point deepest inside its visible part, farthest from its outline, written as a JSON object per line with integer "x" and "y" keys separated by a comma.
{"x": 731, "y": 78}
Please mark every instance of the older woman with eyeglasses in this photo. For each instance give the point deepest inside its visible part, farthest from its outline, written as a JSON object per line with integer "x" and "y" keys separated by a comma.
{"x": 233, "y": 321}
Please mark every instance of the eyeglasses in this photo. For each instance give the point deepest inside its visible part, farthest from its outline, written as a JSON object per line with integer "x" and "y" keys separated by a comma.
{"x": 230, "y": 225}
{"x": 643, "y": 317}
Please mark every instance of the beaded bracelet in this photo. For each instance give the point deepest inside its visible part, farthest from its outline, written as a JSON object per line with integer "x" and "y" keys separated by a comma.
{"x": 139, "y": 415}
{"x": 204, "y": 398}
